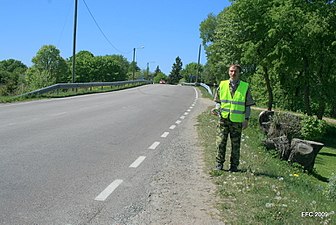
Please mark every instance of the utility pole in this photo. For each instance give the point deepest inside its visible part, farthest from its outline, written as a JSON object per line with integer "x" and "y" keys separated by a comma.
{"x": 133, "y": 62}
{"x": 148, "y": 69}
{"x": 198, "y": 63}
{"x": 74, "y": 44}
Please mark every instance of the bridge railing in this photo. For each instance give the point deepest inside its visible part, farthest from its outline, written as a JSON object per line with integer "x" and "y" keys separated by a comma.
{"x": 199, "y": 84}
{"x": 62, "y": 86}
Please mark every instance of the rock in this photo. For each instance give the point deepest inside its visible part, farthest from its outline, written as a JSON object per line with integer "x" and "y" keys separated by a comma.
{"x": 304, "y": 152}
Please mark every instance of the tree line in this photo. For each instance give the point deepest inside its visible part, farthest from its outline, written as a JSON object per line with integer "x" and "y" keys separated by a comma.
{"x": 50, "y": 68}
{"x": 287, "y": 49}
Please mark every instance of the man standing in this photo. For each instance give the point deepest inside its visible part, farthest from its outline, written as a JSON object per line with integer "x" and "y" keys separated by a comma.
{"x": 233, "y": 101}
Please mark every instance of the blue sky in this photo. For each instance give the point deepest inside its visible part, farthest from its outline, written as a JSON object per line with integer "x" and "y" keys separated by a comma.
{"x": 166, "y": 28}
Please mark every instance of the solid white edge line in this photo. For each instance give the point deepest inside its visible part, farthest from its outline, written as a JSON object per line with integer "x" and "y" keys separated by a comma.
{"x": 137, "y": 162}
{"x": 172, "y": 127}
{"x": 104, "y": 194}
{"x": 154, "y": 145}
{"x": 196, "y": 93}
{"x": 165, "y": 134}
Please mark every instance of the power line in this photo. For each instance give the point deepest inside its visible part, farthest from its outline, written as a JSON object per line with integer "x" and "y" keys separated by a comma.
{"x": 102, "y": 30}
{"x": 65, "y": 23}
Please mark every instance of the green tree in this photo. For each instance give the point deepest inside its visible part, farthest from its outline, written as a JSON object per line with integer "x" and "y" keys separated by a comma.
{"x": 158, "y": 77}
{"x": 289, "y": 43}
{"x": 13, "y": 66}
{"x": 175, "y": 74}
{"x": 157, "y": 70}
{"x": 12, "y": 76}
{"x": 191, "y": 71}
{"x": 84, "y": 66}
{"x": 133, "y": 67}
{"x": 123, "y": 66}
{"x": 222, "y": 48}
{"x": 109, "y": 68}
{"x": 48, "y": 61}
{"x": 157, "y": 73}
{"x": 207, "y": 29}
{"x": 37, "y": 79}
{"x": 306, "y": 53}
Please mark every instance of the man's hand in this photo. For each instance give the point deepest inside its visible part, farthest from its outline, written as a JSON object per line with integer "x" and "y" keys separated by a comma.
{"x": 214, "y": 111}
{"x": 245, "y": 124}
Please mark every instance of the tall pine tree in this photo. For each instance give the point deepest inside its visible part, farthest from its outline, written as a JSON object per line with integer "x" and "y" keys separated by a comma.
{"x": 175, "y": 74}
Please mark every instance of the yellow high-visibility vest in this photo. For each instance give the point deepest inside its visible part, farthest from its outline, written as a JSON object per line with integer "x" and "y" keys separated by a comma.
{"x": 233, "y": 107}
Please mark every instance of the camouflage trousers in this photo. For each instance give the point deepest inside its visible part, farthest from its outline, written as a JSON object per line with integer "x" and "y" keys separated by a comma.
{"x": 224, "y": 128}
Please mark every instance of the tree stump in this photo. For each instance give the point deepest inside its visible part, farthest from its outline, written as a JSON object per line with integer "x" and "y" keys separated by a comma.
{"x": 283, "y": 147}
{"x": 264, "y": 120}
{"x": 304, "y": 152}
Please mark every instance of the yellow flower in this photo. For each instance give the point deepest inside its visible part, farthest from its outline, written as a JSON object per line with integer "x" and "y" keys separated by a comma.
{"x": 295, "y": 175}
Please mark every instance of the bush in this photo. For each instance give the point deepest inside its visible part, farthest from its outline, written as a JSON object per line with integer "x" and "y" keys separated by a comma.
{"x": 285, "y": 124}
{"x": 313, "y": 128}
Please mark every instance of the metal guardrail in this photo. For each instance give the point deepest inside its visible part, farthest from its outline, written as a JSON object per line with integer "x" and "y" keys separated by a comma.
{"x": 207, "y": 88}
{"x": 199, "y": 84}
{"x": 82, "y": 85}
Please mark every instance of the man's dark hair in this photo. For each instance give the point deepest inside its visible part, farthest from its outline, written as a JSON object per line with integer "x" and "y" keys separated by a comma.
{"x": 237, "y": 66}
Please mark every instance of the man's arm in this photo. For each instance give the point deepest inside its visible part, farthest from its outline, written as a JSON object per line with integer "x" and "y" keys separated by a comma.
{"x": 216, "y": 110}
{"x": 249, "y": 102}
{"x": 216, "y": 96}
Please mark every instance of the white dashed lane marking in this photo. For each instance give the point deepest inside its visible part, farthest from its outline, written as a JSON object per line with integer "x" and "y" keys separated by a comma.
{"x": 108, "y": 191}
{"x": 165, "y": 134}
{"x": 154, "y": 145}
{"x": 137, "y": 162}
{"x": 104, "y": 194}
{"x": 172, "y": 127}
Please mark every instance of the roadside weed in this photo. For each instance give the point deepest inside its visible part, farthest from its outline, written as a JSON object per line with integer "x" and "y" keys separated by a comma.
{"x": 266, "y": 190}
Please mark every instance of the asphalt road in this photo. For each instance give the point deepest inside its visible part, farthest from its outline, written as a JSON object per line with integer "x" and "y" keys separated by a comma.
{"x": 86, "y": 159}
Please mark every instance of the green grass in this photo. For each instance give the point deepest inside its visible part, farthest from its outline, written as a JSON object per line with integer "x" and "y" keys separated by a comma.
{"x": 325, "y": 162}
{"x": 205, "y": 93}
{"x": 66, "y": 93}
{"x": 267, "y": 190}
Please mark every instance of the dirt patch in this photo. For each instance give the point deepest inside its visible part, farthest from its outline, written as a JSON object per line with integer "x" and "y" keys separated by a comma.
{"x": 182, "y": 193}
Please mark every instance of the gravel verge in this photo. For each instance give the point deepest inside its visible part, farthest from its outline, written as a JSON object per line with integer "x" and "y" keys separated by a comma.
{"x": 181, "y": 192}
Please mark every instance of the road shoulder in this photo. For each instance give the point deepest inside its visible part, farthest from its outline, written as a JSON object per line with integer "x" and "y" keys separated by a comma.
{"x": 182, "y": 193}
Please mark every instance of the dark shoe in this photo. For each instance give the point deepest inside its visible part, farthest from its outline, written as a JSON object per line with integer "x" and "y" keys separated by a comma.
{"x": 233, "y": 169}
{"x": 219, "y": 166}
